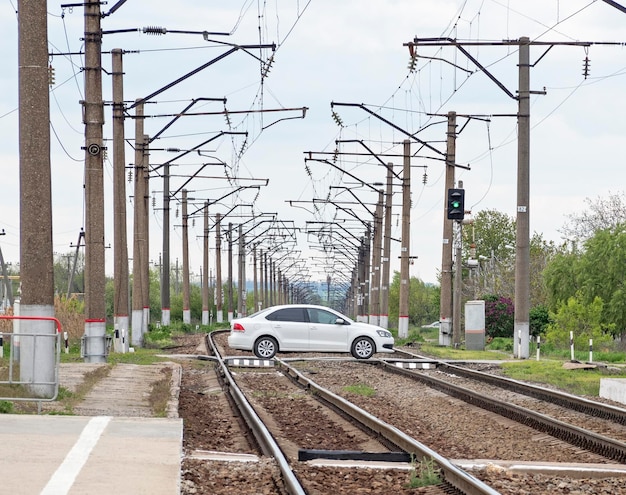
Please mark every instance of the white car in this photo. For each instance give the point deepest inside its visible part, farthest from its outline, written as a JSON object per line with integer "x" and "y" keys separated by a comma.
{"x": 306, "y": 327}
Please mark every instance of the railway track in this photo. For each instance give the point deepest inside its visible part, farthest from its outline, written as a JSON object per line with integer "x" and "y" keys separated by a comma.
{"x": 454, "y": 479}
{"x": 287, "y": 408}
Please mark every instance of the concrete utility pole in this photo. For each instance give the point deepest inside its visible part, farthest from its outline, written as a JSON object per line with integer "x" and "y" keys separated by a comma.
{"x": 403, "y": 314}
{"x": 376, "y": 256}
{"x": 93, "y": 112}
{"x": 367, "y": 259}
{"x": 218, "y": 268}
{"x": 255, "y": 280}
{"x": 145, "y": 246}
{"x": 165, "y": 286}
{"x": 230, "y": 272}
{"x": 205, "y": 267}
{"x": 120, "y": 253}
{"x": 36, "y": 260}
{"x": 186, "y": 298}
{"x": 521, "y": 327}
{"x": 445, "y": 305}
{"x": 384, "y": 286}
{"x": 266, "y": 295}
{"x": 241, "y": 290}
{"x": 138, "y": 231}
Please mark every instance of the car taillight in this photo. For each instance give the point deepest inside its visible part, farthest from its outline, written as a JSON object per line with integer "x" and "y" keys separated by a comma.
{"x": 238, "y": 327}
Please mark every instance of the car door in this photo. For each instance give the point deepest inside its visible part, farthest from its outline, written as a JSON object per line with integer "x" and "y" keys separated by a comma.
{"x": 291, "y": 328}
{"x": 325, "y": 333}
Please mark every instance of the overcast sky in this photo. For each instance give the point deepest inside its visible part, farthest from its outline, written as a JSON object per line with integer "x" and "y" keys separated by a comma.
{"x": 344, "y": 51}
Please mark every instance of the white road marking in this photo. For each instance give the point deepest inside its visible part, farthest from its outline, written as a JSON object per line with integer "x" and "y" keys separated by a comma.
{"x": 64, "y": 477}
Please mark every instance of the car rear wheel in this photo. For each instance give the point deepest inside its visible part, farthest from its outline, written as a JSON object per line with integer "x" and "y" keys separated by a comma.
{"x": 363, "y": 348}
{"x": 265, "y": 348}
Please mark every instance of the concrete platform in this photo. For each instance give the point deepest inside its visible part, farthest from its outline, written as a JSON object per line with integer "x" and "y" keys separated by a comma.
{"x": 76, "y": 455}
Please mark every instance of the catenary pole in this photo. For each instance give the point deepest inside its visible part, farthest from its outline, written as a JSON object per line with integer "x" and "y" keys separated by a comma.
{"x": 522, "y": 251}
{"x": 403, "y": 314}
{"x": 205, "y": 266}
{"x": 145, "y": 245}
{"x": 445, "y": 303}
{"x": 36, "y": 264}
{"x": 93, "y": 112}
{"x": 186, "y": 298}
{"x": 384, "y": 286}
{"x": 218, "y": 269}
{"x": 165, "y": 285}
{"x": 120, "y": 241}
{"x": 138, "y": 240}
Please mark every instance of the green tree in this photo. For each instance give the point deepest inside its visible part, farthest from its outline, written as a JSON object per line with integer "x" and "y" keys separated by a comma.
{"x": 492, "y": 236}
{"x": 597, "y": 270}
{"x": 602, "y": 274}
{"x": 583, "y": 320}
{"x": 423, "y": 301}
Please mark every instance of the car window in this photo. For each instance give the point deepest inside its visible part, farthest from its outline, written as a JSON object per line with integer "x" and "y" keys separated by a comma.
{"x": 287, "y": 314}
{"x": 321, "y": 316}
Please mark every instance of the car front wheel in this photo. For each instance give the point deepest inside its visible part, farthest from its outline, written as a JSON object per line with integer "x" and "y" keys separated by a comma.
{"x": 363, "y": 348}
{"x": 265, "y": 348}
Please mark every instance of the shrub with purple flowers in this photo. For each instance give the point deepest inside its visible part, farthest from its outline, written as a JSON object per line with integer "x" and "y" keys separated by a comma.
{"x": 499, "y": 316}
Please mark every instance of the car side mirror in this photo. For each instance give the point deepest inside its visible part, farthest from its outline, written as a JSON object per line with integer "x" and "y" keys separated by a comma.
{"x": 339, "y": 321}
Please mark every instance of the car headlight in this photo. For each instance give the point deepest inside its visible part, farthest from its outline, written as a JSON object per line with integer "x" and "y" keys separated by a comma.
{"x": 384, "y": 333}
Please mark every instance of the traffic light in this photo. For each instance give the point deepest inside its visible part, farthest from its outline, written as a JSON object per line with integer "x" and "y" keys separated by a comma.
{"x": 456, "y": 204}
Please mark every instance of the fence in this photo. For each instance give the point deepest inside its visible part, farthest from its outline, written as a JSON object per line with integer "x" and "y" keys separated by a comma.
{"x": 29, "y": 361}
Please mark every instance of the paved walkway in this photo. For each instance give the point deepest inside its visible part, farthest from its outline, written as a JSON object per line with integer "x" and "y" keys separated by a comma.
{"x": 111, "y": 446}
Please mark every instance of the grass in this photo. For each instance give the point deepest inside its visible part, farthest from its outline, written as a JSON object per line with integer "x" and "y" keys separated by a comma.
{"x": 360, "y": 389}
{"x": 552, "y": 372}
{"x": 548, "y": 370}
{"x": 160, "y": 394}
{"x": 424, "y": 473}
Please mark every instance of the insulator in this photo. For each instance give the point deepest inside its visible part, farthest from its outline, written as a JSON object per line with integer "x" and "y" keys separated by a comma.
{"x": 226, "y": 116}
{"x": 586, "y": 66}
{"x": 425, "y": 178}
{"x": 243, "y": 146}
{"x": 412, "y": 63}
{"x": 193, "y": 222}
{"x": 308, "y": 170}
{"x": 153, "y": 201}
{"x": 268, "y": 66}
{"x": 335, "y": 155}
{"x": 155, "y": 30}
{"x": 50, "y": 75}
{"x": 130, "y": 176}
{"x": 337, "y": 119}
{"x": 176, "y": 214}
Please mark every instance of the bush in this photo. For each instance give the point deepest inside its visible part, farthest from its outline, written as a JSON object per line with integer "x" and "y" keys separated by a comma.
{"x": 499, "y": 316}
{"x": 539, "y": 320}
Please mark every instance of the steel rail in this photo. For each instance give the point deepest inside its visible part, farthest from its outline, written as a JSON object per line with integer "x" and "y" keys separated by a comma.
{"x": 261, "y": 433}
{"x": 604, "y": 446}
{"x": 580, "y": 404}
{"x": 452, "y": 474}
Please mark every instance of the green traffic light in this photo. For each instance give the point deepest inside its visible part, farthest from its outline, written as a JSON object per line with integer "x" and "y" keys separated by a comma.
{"x": 456, "y": 204}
